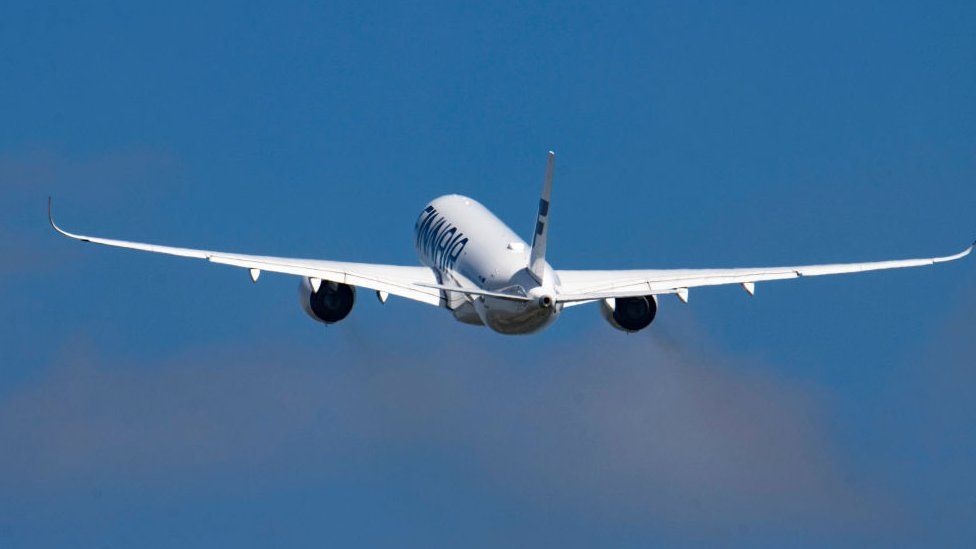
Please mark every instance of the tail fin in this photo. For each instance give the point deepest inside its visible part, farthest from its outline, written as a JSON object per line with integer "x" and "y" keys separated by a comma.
{"x": 537, "y": 260}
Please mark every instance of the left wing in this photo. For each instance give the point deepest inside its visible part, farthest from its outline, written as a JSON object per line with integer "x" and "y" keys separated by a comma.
{"x": 409, "y": 282}
{"x": 581, "y": 286}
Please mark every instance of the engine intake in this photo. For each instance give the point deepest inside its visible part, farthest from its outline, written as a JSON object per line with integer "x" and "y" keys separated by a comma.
{"x": 629, "y": 314}
{"x": 330, "y": 304}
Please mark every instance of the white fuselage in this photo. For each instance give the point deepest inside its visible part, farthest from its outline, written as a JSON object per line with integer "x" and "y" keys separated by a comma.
{"x": 467, "y": 246}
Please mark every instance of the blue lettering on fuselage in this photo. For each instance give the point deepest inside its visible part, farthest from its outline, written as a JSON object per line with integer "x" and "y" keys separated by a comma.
{"x": 437, "y": 240}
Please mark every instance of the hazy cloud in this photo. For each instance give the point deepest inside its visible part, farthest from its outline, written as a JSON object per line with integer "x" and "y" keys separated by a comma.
{"x": 618, "y": 428}
{"x": 45, "y": 170}
{"x": 28, "y": 177}
{"x": 18, "y": 257}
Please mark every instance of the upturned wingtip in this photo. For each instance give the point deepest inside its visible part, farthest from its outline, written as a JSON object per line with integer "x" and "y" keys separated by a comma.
{"x": 50, "y": 217}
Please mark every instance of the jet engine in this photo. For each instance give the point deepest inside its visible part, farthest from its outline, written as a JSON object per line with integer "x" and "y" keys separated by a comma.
{"x": 629, "y": 314}
{"x": 330, "y": 304}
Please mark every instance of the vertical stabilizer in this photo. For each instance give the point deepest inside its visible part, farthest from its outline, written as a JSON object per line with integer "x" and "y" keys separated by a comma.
{"x": 537, "y": 260}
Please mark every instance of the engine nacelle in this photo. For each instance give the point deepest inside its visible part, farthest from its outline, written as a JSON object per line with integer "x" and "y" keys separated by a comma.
{"x": 330, "y": 304}
{"x": 629, "y": 314}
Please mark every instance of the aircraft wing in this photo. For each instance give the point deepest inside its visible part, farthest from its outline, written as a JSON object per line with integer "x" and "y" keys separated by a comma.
{"x": 403, "y": 281}
{"x": 582, "y": 286}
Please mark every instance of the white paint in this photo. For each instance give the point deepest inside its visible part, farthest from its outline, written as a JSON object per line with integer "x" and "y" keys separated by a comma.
{"x": 495, "y": 278}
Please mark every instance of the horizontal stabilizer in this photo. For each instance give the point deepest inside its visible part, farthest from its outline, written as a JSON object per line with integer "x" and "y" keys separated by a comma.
{"x": 485, "y": 293}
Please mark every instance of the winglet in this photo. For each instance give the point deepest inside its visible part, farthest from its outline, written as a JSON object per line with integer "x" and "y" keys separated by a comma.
{"x": 537, "y": 259}
{"x": 954, "y": 257}
{"x": 50, "y": 217}
{"x": 968, "y": 250}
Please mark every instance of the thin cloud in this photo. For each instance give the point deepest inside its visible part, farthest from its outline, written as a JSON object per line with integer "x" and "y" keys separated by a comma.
{"x": 19, "y": 258}
{"x": 45, "y": 170}
{"x": 104, "y": 180}
{"x": 616, "y": 428}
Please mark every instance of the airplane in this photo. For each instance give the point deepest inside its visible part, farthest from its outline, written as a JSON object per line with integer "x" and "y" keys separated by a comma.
{"x": 481, "y": 271}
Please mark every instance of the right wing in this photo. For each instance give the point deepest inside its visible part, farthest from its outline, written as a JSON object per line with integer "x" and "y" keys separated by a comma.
{"x": 582, "y": 286}
{"x": 409, "y": 282}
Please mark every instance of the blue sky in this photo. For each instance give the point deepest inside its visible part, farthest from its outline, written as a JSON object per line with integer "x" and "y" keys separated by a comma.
{"x": 154, "y": 401}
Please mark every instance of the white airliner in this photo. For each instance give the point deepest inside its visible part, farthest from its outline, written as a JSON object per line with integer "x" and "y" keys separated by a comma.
{"x": 480, "y": 270}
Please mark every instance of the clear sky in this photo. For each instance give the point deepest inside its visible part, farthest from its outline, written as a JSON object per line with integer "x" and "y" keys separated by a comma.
{"x": 153, "y": 401}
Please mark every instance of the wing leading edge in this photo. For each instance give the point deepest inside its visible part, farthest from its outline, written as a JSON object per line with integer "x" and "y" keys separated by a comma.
{"x": 577, "y": 286}
{"x": 403, "y": 281}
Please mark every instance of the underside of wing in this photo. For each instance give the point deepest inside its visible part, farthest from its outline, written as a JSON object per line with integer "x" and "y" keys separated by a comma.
{"x": 578, "y": 286}
{"x": 404, "y": 281}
